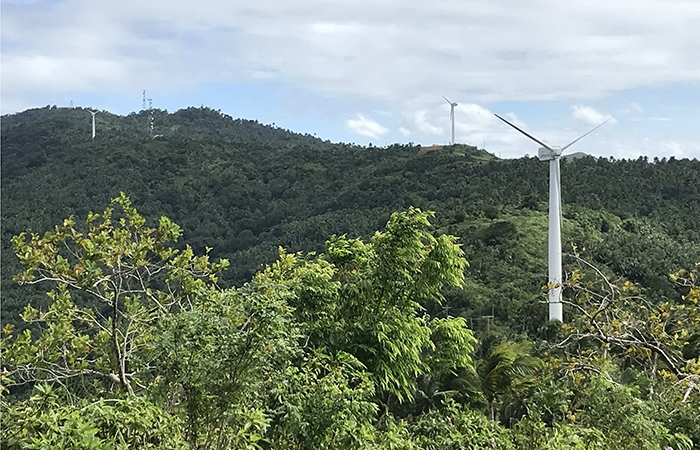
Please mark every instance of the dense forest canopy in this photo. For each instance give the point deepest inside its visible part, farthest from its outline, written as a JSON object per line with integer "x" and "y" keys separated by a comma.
{"x": 482, "y": 367}
{"x": 244, "y": 189}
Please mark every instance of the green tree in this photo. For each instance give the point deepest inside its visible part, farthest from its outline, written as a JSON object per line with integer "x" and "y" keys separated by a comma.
{"x": 220, "y": 358}
{"x": 131, "y": 275}
{"x": 366, "y": 299}
{"x": 507, "y": 374}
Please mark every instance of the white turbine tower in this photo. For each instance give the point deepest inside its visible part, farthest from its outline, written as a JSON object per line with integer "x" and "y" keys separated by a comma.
{"x": 93, "y": 122}
{"x": 553, "y": 154}
{"x": 452, "y": 118}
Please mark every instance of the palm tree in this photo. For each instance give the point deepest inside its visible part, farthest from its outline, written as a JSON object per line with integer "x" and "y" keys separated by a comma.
{"x": 507, "y": 373}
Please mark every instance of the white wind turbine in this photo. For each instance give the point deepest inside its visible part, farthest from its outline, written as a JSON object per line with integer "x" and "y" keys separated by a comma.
{"x": 553, "y": 154}
{"x": 452, "y": 118}
{"x": 93, "y": 122}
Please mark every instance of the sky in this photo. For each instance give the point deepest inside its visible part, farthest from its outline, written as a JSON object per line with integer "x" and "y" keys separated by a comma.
{"x": 376, "y": 71}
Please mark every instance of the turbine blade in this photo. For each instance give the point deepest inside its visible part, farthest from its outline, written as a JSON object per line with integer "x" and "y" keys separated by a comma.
{"x": 447, "y": 100}
{"x": 548, "y": 147}
{"x": 576, "y": 140}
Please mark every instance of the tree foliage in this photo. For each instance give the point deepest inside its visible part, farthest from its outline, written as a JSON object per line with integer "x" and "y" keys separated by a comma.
{"x": 131, "y": 276}
{"x": 654, "y": 337}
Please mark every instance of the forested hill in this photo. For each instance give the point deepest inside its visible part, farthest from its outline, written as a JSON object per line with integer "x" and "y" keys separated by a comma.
{"x": 244, "y": 189}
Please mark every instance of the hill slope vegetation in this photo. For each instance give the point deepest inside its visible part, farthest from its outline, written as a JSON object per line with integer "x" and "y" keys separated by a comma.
{"x": 375, "y": 339}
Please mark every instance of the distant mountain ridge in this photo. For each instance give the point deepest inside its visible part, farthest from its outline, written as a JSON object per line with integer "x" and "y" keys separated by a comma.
{"x": 201, "y": 122}
{"x": 575, "y": 155}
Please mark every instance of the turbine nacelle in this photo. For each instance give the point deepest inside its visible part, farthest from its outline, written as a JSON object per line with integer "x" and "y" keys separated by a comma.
{"x": 548, "y": 154}
{"x": 453, "y": 104}
{"x": 544, "y": 154}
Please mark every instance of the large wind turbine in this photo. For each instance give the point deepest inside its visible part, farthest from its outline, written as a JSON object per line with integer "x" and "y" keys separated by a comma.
{"x": 452, "y": 118}
{"x": 93, "y": 122}
{"x": 553, "y": 154}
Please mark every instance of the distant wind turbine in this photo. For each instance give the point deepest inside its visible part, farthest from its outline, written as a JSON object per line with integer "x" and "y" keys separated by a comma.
{"x": 93, "y": 122}
{"x": 553, "y": 154}
{"x": 452, "y": 118}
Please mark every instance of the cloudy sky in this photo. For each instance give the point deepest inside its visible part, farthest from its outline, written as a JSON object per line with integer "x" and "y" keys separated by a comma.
{"x": 376, "y": 70}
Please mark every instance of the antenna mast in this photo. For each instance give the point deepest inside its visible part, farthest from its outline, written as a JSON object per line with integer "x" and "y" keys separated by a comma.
{"x": 150, "y": 109}
{"x": 143, "y": 107}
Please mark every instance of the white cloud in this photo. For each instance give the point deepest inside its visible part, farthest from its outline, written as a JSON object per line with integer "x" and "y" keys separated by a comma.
{"x": 389, "y": 49}
{"x": 685, "y": 148}
{"x": 633, "y": 108}
{"x": 680, "y": 149}
{"x": 335, "y": 28}
{"x": 365, "y": 127}
{"x": 383, "y": 113}
{"x": 21, "y": 2}
{"x": 425, "y": 124}
{"x": 39, "y": 73}
{"x": 404, "y": 131}
{"x": 512, "y": 118}
{"x": 589, "y": 115}
{"x": 474, "y": 125}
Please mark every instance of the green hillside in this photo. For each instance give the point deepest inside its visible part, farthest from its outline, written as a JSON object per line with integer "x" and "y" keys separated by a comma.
{"x": 244, "y": 189}
{"x": 363, "y": 321}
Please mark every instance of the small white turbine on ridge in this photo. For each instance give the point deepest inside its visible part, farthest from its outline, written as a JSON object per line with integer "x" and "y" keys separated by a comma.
{"x": 452, "y": 118}
{"x": 93, "y": 122}
{"x": 553, "y": 154}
